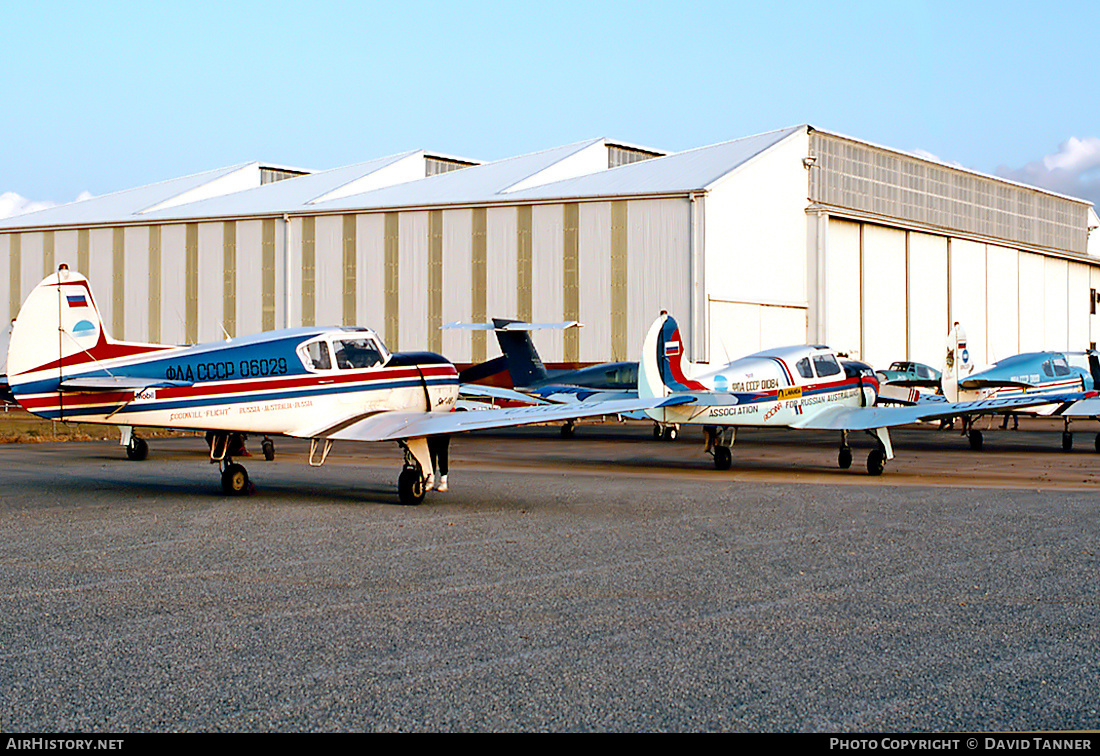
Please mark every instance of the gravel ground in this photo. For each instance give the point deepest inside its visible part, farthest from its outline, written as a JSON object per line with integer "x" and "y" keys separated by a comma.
{"x": 609, "y": 583}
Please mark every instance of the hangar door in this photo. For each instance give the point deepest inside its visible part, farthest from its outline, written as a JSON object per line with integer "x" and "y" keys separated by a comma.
{"x": 885, "y": 294}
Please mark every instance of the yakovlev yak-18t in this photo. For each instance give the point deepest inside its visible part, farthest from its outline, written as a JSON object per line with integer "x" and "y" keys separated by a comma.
{"x": 1029, "y": 374}
{"x": 802, "y": 387}
{"x": 321, "y": 384}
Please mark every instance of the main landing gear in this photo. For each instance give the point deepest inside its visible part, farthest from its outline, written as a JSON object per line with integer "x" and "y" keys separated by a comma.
{"x": 876, "y": 459}
{"x": 136, "y": 448}
{"x": 412, "y": 482}
{"x": 666, "y": 432}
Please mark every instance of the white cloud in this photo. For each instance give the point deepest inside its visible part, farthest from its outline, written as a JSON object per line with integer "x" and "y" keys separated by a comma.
{"x": 14, "y": 204}
{"x": 935, "y": 158}
{"x": 1073, "y": 170}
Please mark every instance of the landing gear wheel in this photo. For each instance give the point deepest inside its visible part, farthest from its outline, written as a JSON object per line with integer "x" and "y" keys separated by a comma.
{"x": 723, "y": 457}
{"x": 1098, "y": 442}
{"x": 235, "y": 480}
{"x": 670, "y": 433}
{"x": 975, "y": 437}
{"x": 269, "y": 449}
{"x": 567, "y": 430}
{"x": 844, "y": 458}
{"x": 876, "y": 461}
{"x": 410, "y": 486}
{"x": 1067, "y": 440}
{"x": 137, "y": 449}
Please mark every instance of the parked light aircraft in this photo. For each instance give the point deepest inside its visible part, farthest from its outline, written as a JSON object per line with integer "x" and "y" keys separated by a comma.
{"x": 907, "y": 382}
{"x": 532, "y": 382}
{"x": 321, "y": 384}
{"x": 1028, "y": 374}
{"x": 802, "y": 387}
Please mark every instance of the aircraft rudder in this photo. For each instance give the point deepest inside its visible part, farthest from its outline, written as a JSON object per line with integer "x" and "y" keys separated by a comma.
{"x": 525, "y": 367}
{"x": 661, "y": 366}
{"x": 58, "y": 319}
{"x": 956, "y": 363}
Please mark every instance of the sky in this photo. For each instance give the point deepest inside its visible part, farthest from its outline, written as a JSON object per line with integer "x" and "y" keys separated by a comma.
{"x": 101, "y": 97}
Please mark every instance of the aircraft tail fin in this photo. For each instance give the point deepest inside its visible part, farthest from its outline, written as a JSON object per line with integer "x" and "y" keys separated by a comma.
{"x": 957, "y": 364}
{"x": 661, "y": 367}
{"x": 59, "y": 328}
{"x": 524, "y": 364}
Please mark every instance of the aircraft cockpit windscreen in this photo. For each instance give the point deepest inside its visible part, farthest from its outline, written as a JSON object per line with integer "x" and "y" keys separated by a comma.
{"x": 356, "y": 353}
{"x": 826, "y": 365}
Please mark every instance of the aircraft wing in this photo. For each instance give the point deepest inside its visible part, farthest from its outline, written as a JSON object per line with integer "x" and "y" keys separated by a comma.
{"x": 476, "y": 391}
{"x": 117, "y": 383}
{"x": 395, "y": 426}
{"x": 1083, "y": 408}
{"x": 867, "y": 418}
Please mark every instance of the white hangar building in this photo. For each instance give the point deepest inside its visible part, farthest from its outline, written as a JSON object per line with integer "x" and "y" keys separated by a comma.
{"x": 786, "y": 237}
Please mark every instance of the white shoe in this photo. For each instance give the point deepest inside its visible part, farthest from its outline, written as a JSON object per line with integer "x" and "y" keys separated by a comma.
{"x": 430, "y": 484}
{"x": 442, "y": 484}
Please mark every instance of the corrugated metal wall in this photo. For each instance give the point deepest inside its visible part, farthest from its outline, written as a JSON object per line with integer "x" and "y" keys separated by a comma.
{"x": 914, "y": 285}
{"x": 611, "y": 265}
{"x": 885, "y": 183}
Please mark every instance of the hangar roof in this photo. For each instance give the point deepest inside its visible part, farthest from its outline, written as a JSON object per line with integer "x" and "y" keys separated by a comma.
{"x": 126, "y": 205}
{"x": 573, "y": 171}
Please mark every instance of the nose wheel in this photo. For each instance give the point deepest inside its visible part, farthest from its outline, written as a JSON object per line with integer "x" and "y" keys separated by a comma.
{"x": 235, "y": 479}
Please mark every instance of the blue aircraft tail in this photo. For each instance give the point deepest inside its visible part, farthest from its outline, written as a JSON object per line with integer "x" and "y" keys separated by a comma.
{"x": 524, "y": 364}
{"x": 661, "y": 367}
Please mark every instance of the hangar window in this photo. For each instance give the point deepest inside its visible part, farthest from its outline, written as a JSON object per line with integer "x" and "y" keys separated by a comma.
{"x": 621, "y": 155}
{"x": 435, "y": 165}
{"x": 826, "y": 364}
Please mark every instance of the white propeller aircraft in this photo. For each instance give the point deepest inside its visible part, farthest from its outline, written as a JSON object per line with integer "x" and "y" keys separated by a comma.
{"x": 802, "y": 387}
{"x": 1029, "y": 374}
{"x": 321, "y": 384}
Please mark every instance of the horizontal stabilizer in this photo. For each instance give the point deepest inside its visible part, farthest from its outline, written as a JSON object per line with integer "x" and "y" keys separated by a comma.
{"x": 973, "y": 384}
{"x": 513, "y": 325}
{"x": 913, "y": 383}
{"x": 117, "y": 383}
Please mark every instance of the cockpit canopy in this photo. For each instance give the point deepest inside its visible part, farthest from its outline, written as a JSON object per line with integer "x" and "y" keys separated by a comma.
{"x": 824, "y": 365}
{"x": 343, "y": 350}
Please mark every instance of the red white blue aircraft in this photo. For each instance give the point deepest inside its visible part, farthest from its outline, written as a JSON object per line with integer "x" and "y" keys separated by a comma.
{"x": 321, "y": 384}
{"x": 802, "y": 387}
{"x": 1029, "y": 374}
